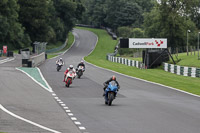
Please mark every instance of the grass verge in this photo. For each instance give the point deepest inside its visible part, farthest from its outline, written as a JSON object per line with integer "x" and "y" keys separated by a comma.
{"x": 190, "y": 60}
{"x": 69, "y": 43}
{"x": 106, "y": 45}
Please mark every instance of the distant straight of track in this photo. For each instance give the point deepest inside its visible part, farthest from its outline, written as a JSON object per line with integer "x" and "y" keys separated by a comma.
{"x": 140, "y": 107}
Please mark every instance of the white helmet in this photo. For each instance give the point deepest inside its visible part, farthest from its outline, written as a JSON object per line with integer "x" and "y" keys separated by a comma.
{"x": 60, "y": 58}
{"x": 71, "y": 66}
{"x": 82, "y": 61}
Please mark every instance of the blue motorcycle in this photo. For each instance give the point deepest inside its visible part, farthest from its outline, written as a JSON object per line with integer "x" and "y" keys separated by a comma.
{"x": 110, "y": 93}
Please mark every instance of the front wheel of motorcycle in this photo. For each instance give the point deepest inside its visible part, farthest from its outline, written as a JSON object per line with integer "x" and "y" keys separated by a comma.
{"x": 68, "y": 83}
{"x": 110, "y": 98}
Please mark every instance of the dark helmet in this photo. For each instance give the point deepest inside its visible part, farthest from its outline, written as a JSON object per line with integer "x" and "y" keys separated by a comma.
{"x": 113, "y": 77}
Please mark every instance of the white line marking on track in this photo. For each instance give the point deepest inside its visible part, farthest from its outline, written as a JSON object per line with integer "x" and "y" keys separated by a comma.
{"x": 51, "y": 90}
{"x": 60, "y": 102}
{"x": 82, "y": 128}
{"x": 65, "y": 107}
{"x": 77, "y": 123}
{"x": 56, "y": 97}
{"x": 68, "y": 111}
{"x": 74, "y": 118}
{"x": 35, "y": 80}
{"x": 28, "y": 121}
{"x": 70, "y": 114}
{"x": 6, "y": 60}
{"x": 53, "y": 94}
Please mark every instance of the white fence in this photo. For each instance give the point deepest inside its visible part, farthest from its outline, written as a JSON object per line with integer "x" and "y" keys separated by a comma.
{"x": 125, "y": 61}
{"x": 181, "y": 70}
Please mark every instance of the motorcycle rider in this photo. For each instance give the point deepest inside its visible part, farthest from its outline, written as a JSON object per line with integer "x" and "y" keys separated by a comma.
{"x": 60, "y": 61}
{"x": 113, "y": 78}
{"x": 81, "y": 64}
{"x": 70, "y": 68}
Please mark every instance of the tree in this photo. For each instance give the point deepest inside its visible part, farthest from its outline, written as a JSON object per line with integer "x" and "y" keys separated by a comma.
{"x": 124, "y": 32}
{"x": 11, "y": 31}
{"x": 137, "y": 33}
{"x": 167, "y": 20}
{"x": 34, "y": 15}
{"x": 123, "y": 13}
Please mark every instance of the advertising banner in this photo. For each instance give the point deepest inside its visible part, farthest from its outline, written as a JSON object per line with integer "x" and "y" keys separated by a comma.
{"x": 147, "y": 43}
{"x": 4, "y": 49}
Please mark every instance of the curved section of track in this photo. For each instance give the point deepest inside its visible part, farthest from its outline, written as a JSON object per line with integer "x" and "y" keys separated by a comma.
{"x": 140, "y": 107}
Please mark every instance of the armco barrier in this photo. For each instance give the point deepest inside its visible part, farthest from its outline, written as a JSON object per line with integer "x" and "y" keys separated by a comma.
{"x": 57, "y": 49}
{"x": 125, "y": 61}
{"x": 38, "y": 59}
{"x": 181, "y": 70}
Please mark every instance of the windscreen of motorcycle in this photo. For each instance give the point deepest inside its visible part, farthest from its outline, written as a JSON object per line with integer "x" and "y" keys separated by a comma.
{"x": 80, "y": 67}
{"x": 113, "y": 83}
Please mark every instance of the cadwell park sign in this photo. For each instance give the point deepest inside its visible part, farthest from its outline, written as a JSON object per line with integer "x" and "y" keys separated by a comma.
{"x": 147, "y": 43}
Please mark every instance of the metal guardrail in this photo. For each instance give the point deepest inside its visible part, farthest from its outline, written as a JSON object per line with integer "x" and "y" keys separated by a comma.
{"x": 57, "y": 49}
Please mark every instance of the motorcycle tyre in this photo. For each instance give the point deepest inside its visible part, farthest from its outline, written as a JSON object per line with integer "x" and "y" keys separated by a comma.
{"x": 68, "y": 83}
{"x": 110, "y": 98}
{"x": 79, "y": 74}
{"x": 58, "y": 68}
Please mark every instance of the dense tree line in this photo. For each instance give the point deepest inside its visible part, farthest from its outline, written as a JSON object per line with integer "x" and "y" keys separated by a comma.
{"x": 25, "y": 21}
{"x": 146, "y": 18}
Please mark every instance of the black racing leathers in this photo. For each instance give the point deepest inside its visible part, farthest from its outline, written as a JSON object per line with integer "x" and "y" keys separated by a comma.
{"x": 81, "y": 64}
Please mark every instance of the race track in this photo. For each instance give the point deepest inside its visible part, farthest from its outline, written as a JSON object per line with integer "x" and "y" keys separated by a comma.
{"x": 140, "y": 107}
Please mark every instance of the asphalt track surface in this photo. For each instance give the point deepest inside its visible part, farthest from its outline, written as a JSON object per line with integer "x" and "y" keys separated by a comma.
{"x": 20, "y": 95}
{"x": 140, "y": 107}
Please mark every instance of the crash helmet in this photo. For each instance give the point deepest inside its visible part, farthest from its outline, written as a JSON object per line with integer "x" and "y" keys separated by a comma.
{"x": 60, "y": 59}
{"x": 113, "y": 77}
{"x": 71, "y": 66}
{"x": 82, "y": 62}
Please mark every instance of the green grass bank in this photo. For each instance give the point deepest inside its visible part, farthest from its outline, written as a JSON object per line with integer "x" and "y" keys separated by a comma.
{"x": 69, "y": 43}
{"x": 190, "y": 60}
{"x": 106, "y": 45}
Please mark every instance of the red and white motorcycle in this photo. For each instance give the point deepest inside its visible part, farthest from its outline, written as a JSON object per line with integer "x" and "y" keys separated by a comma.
{"x": 69, "y": 77}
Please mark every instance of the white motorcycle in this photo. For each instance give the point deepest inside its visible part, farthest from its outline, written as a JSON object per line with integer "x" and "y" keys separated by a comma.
{"x": 59, "y": 65}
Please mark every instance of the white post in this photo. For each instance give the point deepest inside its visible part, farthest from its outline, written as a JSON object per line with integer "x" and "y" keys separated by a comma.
{"x": 188, "y": 31}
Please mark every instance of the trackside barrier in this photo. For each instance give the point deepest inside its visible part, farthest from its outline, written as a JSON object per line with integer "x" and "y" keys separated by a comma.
{"x": 181, "y": 70}
{"x": 38, "y": 59}
{"x": 57, "y": 49}
{"x": 125, "y": 61}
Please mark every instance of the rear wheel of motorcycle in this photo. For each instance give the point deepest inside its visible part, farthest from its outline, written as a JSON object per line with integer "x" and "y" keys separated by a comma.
{"x": 106, "y": 102}
{"x": 110, "y": 98}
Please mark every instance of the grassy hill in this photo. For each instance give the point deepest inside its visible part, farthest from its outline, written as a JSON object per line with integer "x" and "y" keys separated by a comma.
{"x": 106, "y": 45}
